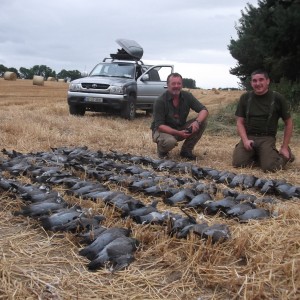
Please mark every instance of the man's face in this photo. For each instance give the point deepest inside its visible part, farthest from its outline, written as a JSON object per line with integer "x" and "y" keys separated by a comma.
{"x": 175, "y": 85}
{"x": 260, "y": 84}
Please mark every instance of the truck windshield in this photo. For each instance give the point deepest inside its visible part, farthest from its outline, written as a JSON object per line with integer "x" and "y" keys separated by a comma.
{"x": 122, "y": 70}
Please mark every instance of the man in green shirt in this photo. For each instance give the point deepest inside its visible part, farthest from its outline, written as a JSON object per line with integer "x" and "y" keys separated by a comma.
{"x": 257, "y": 115}
{"x": 170, "y": 125}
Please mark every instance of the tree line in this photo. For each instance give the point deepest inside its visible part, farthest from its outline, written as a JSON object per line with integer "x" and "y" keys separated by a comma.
{"x": 269, "y": 39}
{"x": 41, "y": 70}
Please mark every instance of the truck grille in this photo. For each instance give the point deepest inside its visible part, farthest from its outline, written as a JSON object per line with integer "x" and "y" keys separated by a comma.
{"x": 95, "y": 86}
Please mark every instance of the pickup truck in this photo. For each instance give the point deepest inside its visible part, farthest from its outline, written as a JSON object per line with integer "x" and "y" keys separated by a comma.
{"x": 121, "y": 83}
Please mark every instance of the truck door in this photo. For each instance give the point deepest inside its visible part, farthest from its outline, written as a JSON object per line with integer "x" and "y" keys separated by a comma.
{"x": 153, "y": 83}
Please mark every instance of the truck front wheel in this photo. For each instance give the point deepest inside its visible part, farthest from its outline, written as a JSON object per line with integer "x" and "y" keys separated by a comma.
{"x": 77, "y": 110}
{"x": 129, "y": 109}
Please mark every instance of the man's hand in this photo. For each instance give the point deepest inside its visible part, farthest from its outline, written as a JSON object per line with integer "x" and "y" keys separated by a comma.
{"x": 285, "y": 152}
{"x": 184, "y": 133}
{"x": 248, "y": 144}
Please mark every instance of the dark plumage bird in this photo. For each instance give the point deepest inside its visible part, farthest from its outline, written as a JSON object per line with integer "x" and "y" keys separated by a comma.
{"x": 237, "y": 180}
{"x": 225, "y": 177}
{"x": 209, "y": 188}
{"x": 61, "y": 217}
{"x": 249, "y": 181}
{"x": 92, "y": 250}
{"x": 217, "y": 233}
{"x": 198, "y": 229}
{"x": 259, "y": 183}
{"x": 286, "y": 191}
{"x": 243, "y": 197}
{"x": 220, "y": 205}
{"x": 230, "y": 193}
{"x": 240, "y": 209}
{"x": 211, "y": 173}
{"x": 41, "y": 208}
{"x": 199, "y": 200}
{"x": 254, "y": 214}
{"x": 154, "y": 217}
{"x": 5, "y": 184}
{"x": 89, "y": 236}
{"x": 181, "y": 197}
{"x": 161, "y": 190}
{"x": 178, "y": 224}
{"x": 142, "y": 211}
{"x": 82, "y": 223}
{"x": 140, "y": 185}
{"x": 166, "y": 165}
{"x": 268, "y": 187}
{"x": 120, "y": 252}
{"x": 37, "y": 196}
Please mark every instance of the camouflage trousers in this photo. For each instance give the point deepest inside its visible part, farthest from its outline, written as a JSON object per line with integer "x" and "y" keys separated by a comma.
{"x": 264, "y": 154}
{"x": 166, "y": 142}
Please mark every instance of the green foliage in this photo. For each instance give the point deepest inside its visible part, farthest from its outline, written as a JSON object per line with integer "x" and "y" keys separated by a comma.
{"x": 3, "y": 69}
{"x": 64, "y": 74}
{"x": 268, "y": 38}
{"x": 189, "y": 83}
{"x": 296, "y": 122}
{"x": 290, "y": 90}
{"x": 26, "y": 73}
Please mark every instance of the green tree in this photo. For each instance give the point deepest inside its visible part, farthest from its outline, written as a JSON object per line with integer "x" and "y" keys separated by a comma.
{"x": 189, "y": 83}
{"x": 269, "y": 38}
{"x": 42, "y": 70}
{"x": 26, "y": 73}
{"x": 72, "y": 75}
{"x": 3, "y": 69}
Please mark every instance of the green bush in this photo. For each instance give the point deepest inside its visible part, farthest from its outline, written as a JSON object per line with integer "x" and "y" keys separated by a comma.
{"x": 290, "y": 90}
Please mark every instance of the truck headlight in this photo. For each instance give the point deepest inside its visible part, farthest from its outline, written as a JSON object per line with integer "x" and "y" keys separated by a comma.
{"x": 74, "y": 87}
{"x": 114, "y": 89}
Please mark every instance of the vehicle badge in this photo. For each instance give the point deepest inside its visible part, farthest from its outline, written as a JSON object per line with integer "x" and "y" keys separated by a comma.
{"x": 94, "y": 85}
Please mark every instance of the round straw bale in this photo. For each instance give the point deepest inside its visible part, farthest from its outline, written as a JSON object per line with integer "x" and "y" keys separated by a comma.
{"x": 38, "y": 80}
{"x": 61, "y": 80}
{"x": 51, "y": 79}
{"x": 10, "y": 75}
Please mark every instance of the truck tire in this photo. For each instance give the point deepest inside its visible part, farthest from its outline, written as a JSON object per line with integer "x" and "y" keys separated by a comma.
{"x": 77, "y": 110}
{"x": 129, "y": 109}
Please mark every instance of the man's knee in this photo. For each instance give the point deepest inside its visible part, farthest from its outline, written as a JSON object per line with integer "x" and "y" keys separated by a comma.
{"x": 241, "y": 163}
{"x": 272, "y": 165}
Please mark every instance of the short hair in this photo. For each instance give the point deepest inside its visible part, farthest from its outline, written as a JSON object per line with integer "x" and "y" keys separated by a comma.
{"x": 260, "y": 71}
{"x": 173, "y": 75}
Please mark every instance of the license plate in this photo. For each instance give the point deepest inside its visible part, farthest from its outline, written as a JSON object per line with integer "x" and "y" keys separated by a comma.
{"x": 94, "y": 99}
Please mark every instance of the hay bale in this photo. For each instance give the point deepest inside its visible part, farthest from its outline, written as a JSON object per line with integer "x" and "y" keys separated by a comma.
{"x": 51, "y": 79}
{"x": 61, "y": 80}
{"x": 10, "y": 75}
{"x": 38, "y": 80}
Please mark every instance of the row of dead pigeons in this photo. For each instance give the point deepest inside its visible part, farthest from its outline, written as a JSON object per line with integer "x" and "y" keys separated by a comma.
{"x": 95, "y": 162}
{"x": 182, "y": 191}
{"x": 104, "y": 245}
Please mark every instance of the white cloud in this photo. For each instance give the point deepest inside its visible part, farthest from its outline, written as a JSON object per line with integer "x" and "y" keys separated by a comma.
{"x": 77, "y": 34}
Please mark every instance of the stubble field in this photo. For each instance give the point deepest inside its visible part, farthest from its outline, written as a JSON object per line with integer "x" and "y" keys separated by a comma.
{"x": 261, "y": 260}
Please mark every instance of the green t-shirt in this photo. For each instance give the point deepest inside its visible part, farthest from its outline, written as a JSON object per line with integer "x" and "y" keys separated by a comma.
{"x": 164, "y": 113}
{"x": 263, "y": 117}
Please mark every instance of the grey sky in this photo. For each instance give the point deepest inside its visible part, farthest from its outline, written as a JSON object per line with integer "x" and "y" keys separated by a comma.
{"x": 75, "y": 35}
